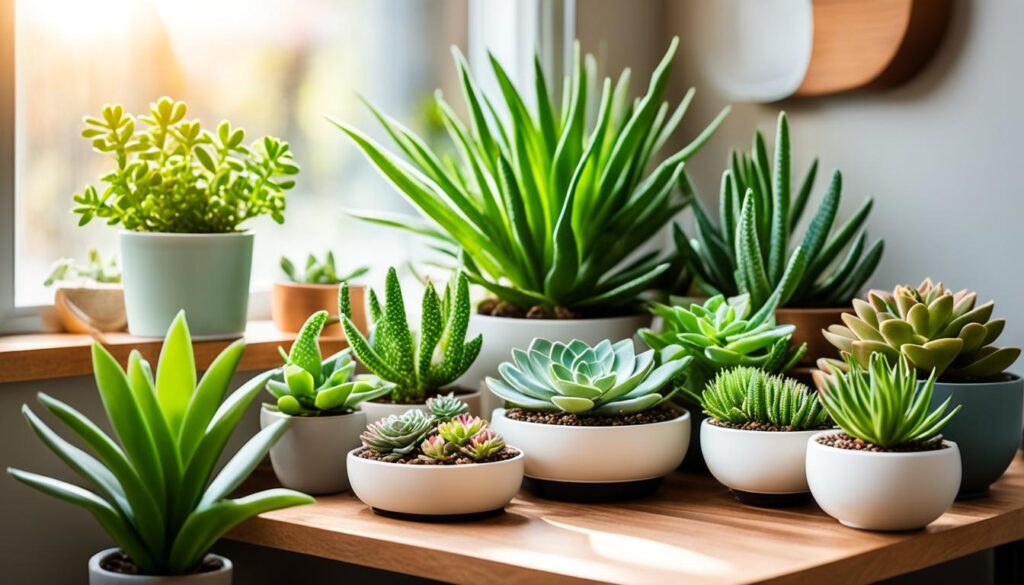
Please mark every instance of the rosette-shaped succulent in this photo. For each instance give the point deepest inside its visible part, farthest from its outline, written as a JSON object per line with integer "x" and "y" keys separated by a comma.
{"x": 435, "y": 447}
{"x": 461, "y": 429}
{"x": 398, "y": 434}
{"x": 605, "y": 379}
{"x": 484, "y": 444}
{"x": 446, "y": 407}
{"x": 931, "y": 327}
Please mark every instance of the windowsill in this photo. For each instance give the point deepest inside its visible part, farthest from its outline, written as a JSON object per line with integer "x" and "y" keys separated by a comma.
{"x": 62, "y": 355}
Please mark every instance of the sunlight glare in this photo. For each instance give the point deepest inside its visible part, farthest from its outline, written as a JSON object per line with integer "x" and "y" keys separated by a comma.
{"x": 83, "y": 20}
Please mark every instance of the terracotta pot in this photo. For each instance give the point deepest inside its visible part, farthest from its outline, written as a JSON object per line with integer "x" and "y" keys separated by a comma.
{"x": 809, "y": 323}
{"x": 82, "y": 309}
{"x": 293, "y": 303}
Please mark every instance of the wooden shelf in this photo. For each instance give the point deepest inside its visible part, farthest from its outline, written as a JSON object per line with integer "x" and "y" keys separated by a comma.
{"x": 62, "y": 355}
{"x": 692, "y": 531}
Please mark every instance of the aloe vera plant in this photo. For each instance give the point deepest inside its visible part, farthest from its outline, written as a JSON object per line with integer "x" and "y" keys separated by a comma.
{"x": 750, "y": 250}
{"x": 605, "y": 379}
{"x": 418, "y": 365}
{"x": 153, "y": 489}
{"x": 741, "y": 395}
{"x": 320, "y": 271}
{"x": 542, "y": 208}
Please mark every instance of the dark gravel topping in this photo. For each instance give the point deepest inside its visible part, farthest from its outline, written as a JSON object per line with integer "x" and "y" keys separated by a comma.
{"x": 654, "y": 415}
{"x": 765, "y": 427}
{"x": 844, "y": 441}
{"x": 121, "y": 564}
{"x": 415, "y": 459}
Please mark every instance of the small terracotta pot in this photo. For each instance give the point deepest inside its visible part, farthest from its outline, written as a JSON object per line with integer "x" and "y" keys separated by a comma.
{"x": 293, "y": 303}
{"x": 82, "y": 309}
{"x": 809, "y": 323}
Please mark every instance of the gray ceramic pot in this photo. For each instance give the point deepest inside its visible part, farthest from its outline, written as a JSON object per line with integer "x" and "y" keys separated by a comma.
{"x": 206, "y": 275}
{"x": 100, "y": 576}
{"x": 987, "y": 429}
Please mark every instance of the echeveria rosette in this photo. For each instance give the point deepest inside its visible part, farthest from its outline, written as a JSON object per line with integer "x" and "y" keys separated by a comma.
{"x": 307, "y": 386}
{"x": 930, "y": 327}
{"x": 742, "y": 395}
{"x": 461, "y": 429}
{"x": 486, "y": 443}
{"x": 437, "y": 448}
{"x": 398, "y": 434}
{"x": 605, "y": 379}
{"x": 446, "y": 407}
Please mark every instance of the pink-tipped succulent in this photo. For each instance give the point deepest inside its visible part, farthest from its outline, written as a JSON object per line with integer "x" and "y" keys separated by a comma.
{"x": 435, "y": 447}
{"x": 484, "y": 444}
{"x": 461, "y": 429}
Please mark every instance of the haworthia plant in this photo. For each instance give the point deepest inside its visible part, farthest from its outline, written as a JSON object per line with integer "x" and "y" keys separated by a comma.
{"x": 319, "y": 271}
{"x": 743, "y": 394}
{"x": 152, "y": 485}
{"x": 419, "y": 365}
{"x": 751, "y": 248}
{"x": 542, "y": 207}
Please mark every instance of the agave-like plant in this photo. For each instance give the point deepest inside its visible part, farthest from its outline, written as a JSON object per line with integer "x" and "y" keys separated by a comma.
{"x": 418, "y": 365}
{"x": 885, "y": 405}
{"x": 544, "y": 209}
{"x": 929, "y": 326}
{"x": 747, "y": 251}
{"x": 320, "y": 271}
{"x": 398, "y": 435}
{"x": 741, "y": 395}
{"x": 153, "y": 489}
{"x": 307, "y": 386}
{"x": 605, "y": 379}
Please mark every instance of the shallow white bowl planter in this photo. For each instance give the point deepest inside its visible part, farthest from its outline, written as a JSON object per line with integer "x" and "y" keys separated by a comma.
{"x": 597, "y": 463}
{"x": 762, "y": 468}
{"x": 100, "y": 576}
{"x": 883, "y": 491}
{"x": 310, "y": 456}
{"x": 435, "y": 492}
{"x": 378, "y": 410}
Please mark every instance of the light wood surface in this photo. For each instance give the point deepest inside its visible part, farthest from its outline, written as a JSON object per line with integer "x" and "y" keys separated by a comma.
{"x": 61, "y": 355}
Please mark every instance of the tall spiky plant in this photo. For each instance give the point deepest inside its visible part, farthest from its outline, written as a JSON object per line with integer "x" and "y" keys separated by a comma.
{"x": 543, "y": 208}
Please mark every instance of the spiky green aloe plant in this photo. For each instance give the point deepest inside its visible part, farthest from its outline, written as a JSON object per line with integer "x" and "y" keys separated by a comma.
{"x": 884, "y": 405}
{"x": 605, "y": 379}
{"x": 421, "y": 365}
{"x": 542, "y": 208}
{"x": 747, "y": 251}
{"x": 153, "y": 489}
{"x": 307, "y": 386}
{"x": 741, "y": 395}
{"x": 320, "y": 271}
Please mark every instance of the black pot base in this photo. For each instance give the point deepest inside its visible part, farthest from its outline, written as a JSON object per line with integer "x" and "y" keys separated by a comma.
{"x": 439, "y": 518}
{"x": 772, "y": 500}
{"x": 568, "y": 491}
{"x": 971, "y": 495}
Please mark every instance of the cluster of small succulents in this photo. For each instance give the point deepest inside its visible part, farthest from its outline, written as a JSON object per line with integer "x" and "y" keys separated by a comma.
{"x": 320, "y": 272}
{"x": 743, "y": 395}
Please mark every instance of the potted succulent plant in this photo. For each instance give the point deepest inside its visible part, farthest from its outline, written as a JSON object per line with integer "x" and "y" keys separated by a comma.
{"x": 747, "y": 251}
{"x": 315, "y": 288}
{"x": 321, "y": 398}
{"x": 419, "y": 365}
{"x": 888, "y": 468}
{"x": 181, "y": 194}
{"x": 941, "y": 331}
{"x": 88, "y": 296}
{"x": 546, "y": 209}
{"x": 583, "y": 413}
{"x": 443, "y": 464}
{"x": 153, "y": 489}
{"x": 754, "y": 440}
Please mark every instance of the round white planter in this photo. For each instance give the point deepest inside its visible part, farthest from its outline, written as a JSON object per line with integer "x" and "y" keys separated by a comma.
{"x": 883, "y": 491}
{"x": 310, "y": 456}
{"x": 757, "y": 463}
{"x": 100, "y": 576}
{"x": 206, "y": 275}
{"x": 631, "y": 454}
{"x": 435, "y": 491}
{"x": 378, "y": 410}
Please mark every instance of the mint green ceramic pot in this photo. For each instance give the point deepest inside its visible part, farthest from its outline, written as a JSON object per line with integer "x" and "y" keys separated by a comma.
{"x": 206, "y": 275}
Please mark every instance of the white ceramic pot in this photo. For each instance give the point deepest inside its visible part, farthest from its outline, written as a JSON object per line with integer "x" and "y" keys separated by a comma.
{"x": 100, "y": 576}
{"x": 378, "y": 410}
{"x": 628, "y": 453}
{"x": 756, "y": 462}
{"x": 435, "y": 490}
{"x": 310, "y": 456}
{"x": 883, "y": 491}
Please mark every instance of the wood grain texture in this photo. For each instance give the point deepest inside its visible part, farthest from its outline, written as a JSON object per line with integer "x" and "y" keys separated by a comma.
{"x": 62, "y": 355}
{"x": 692, "y": 531}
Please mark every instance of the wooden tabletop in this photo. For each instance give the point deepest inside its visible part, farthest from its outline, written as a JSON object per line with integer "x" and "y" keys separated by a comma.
{"x": 61, "y": 355}
{"x": 691, "y": 531}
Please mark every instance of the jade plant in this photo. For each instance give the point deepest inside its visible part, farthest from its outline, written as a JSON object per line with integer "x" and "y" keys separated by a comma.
{"x": 307, "y": 386}
{"x": 153, "y": 484}
{"x": 545, "y": 205}
{"x": 95, "y": 270}
{"x": 751, "y": 248}
{"x": 419, "y": 435}
{"x": 885, "y": 405}
{"x": 744, "y": 395}
{"x": 175, "y": 176}
{"x": 721, "y": 334}
{"x": 604, "y": 380}
{"x": 419, "y": 365}
{"x": 930, "y": 327}
{"x": 320, "y": 272}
